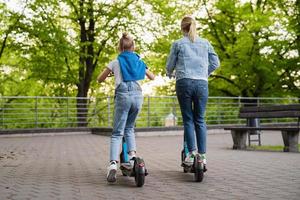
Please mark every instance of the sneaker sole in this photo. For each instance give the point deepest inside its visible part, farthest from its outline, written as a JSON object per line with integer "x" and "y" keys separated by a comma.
{"x": 112, "y": 176}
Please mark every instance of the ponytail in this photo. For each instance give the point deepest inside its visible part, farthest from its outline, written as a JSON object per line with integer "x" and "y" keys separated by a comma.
{"x": 192, "y": 31}
{"x": 126, "y": 42}
{"x": 188, "y": 26}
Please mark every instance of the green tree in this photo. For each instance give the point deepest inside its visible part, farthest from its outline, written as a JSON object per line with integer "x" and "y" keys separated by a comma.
{"x": 249, "y": 40}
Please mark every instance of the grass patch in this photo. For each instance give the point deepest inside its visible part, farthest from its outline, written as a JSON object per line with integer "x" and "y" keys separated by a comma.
{"x": 268, "y": 147}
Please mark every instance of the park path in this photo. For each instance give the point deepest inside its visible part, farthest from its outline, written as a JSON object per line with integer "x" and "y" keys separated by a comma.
{"x": 74, "y": 167}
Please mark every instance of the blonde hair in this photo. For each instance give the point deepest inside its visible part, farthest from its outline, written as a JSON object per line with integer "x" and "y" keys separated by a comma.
{"x": 188, "y": 26}
{"x": 126, "y": 42}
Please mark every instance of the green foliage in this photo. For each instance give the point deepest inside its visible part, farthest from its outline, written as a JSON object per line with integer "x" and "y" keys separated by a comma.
{"x": 252, "y": 49}
{"x": 268, "y": 147}
{"x": 43, "y": 52}
{"x": 58, "y": 48}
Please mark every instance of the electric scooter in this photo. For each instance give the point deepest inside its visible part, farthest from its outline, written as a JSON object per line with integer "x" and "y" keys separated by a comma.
{"x": 198, "y": 168}
{"x": 138, "y": 170}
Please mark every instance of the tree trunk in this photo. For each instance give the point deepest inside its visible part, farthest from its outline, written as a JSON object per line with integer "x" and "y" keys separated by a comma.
{"x": 86, "y": 66}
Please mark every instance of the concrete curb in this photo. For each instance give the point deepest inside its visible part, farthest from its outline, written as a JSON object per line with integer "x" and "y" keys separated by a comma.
{"x": 104, "y": 131}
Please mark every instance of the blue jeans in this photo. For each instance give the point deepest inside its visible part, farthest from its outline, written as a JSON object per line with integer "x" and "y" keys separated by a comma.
{"x": 128, "y": 103}
{"x": 192, "y": 97}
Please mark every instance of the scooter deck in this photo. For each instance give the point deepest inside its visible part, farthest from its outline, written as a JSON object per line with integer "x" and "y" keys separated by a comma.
{"x": 188, "y": 168}
{"x": 126, "y": 169}
{"x": 126, "y": 166}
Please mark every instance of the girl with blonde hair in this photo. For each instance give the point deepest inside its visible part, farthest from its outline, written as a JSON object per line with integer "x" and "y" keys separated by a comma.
{"x": 193, "y": 59}
{"x": 128, "y": 69}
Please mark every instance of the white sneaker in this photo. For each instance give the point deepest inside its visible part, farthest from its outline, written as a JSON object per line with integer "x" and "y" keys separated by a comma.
{"x": 189, "y": 160}
{"x": 131, "y": 160}
{"x": 112, "y": 172}
{"x": 203, "y": 158}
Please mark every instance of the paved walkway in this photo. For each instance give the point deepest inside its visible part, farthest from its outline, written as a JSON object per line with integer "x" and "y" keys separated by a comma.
{"x": 74, "y": 167}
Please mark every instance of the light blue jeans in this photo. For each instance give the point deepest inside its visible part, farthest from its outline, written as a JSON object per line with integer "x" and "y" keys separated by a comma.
{"x": 128, "y": 103}
{"x": 192, "y": 97}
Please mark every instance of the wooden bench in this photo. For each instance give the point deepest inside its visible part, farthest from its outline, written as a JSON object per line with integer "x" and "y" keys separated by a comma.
{"x": 290, "y": 134}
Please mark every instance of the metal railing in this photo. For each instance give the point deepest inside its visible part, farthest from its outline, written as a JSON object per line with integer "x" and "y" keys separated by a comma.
{"x": 61, "y": 112}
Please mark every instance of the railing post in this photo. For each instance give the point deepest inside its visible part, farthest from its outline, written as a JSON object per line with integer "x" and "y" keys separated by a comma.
{"x": 68, "y": 124}
{"x": 148, "y": 115}
{"x": 108, "y": 111}
{"x": 94, "y": 116}
{"x": 36, "y": 111}
{"x": 219, "y": 113}
{"x": 2, "y": 114}
{"x": 174, "y": 112}
{"x": 88, "y": 101}
{"x": 239, "y": 106}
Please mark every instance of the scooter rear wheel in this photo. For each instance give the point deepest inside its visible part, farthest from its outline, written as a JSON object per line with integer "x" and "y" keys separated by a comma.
{"x": 182, "y": 160}
{"x": 198, "y": 167}
{"x": 139, "y": 170}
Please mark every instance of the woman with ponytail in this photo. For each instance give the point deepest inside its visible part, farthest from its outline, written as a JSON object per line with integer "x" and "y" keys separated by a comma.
{"x": 193, "y": 59}
{"x": 128, "y": 69}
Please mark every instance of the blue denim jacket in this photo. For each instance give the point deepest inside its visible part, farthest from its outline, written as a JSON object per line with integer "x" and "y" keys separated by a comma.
{"x": 193, "y": 60}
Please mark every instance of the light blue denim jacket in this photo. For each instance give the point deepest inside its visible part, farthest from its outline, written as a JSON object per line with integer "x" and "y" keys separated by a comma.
{"x": 193, "y": 60}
